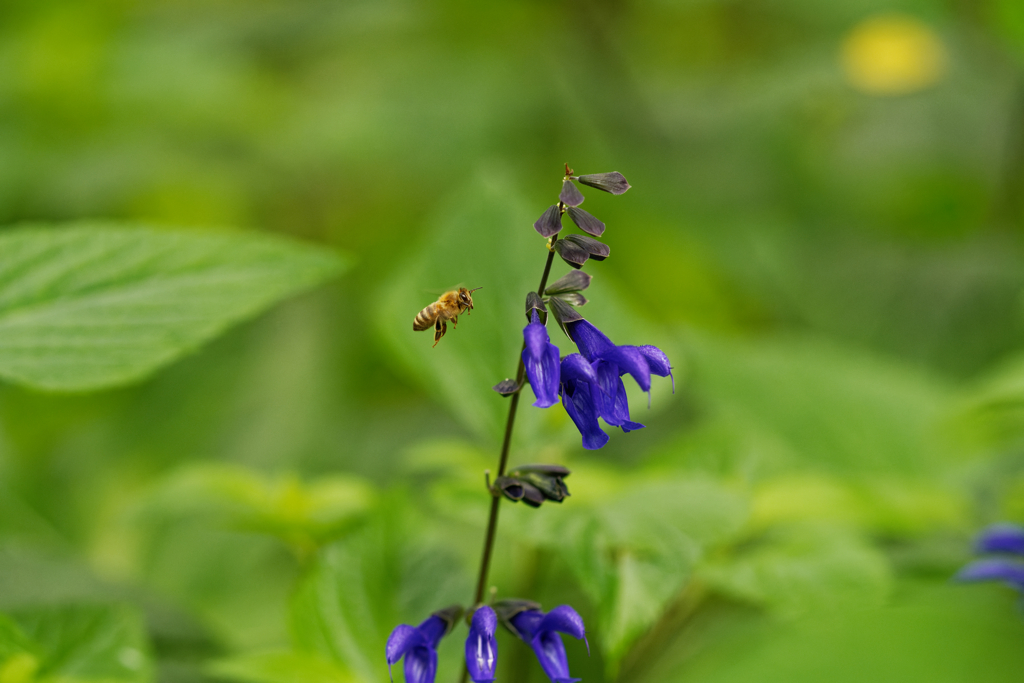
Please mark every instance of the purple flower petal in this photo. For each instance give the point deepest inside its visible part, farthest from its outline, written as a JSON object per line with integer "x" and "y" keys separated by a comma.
{"x": 550, "y": 222}
{"x": 401, "y": 640}
{"x": 540, "y": 357}
{"x": 1001, "y": 538}
{"x": 481, "y": 646}
{"x": 433, "y": 629}
{"x": 581, "y": 409}
{"x": 575, "y": 368}
{"x": 550, "y": 651}
{"x": 590, "y": 340}
{"x": 570, "y": 195}
{"x": 631, "y": 360}
{"x": 658, "y": 362}
{"x": 526, "y": 622}
{"x": 421, "y": 665}
{"x": 565, "y": 620}
{"x": 996, "y": 569}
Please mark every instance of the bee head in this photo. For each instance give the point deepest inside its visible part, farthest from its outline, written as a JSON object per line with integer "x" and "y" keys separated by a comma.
{"x": 465, "y": 295}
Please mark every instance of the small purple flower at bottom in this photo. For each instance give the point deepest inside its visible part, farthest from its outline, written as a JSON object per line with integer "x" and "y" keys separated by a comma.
{"x": 418, "y": 644}
{"x": 481, "y": 645}
{"x": 540, "y": 358}
{"x": 1004, "y": 541}
{"x": 541, "y": 631}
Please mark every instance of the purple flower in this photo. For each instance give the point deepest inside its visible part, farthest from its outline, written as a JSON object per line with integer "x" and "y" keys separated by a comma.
{"x": 591, "y": 381}
{"x": 540, "y": 357}
{"x": 481, "y": 646}
{"x": 999, "y": 539}
{"x": 541, "y": 632}
{"x": 419, "y": 647}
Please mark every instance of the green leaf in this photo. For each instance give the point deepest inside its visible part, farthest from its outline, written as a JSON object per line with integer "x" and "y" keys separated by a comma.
{"x": 634, "y": 552}
{"x": 280, "y": 667}
{"x": 302, "y": 514}
{"x": 100, "y": 304}
{"x": 805, "y": 568}
{"x": 71, "y": 644}
{"x": 391, "y": 572}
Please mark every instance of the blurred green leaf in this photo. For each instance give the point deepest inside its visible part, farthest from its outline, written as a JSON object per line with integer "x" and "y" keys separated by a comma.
{"x": 938, "y": 633}
{"x": 819, "y": 405}
{"x": 391, "y": 572}
{"x": 280, "y": 667}
{"x": 802, "y": 568}
{"x": 94, "y": 305}
{"x": 70, "y": 644}
{"x": 634, "y": 552}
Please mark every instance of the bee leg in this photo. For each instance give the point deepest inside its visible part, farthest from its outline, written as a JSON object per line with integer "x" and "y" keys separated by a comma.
{"x": 455, "y": 321}
{"x": 439, "y": 329}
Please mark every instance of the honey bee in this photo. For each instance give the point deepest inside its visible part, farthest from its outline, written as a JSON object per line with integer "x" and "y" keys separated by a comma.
{"x": 449, "y": 307}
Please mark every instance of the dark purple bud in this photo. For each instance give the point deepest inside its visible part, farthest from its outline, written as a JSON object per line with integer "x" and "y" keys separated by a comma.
{"x": 586, "y": 222}
{"x": 548, "y": 479}
{"x": 598, "y": 251}
{"x": 573, "y": 281}
{"x": 570, "y": 195}
{"x": 1001, "y": 538}
{"x": 535, "y": 303}
{"x": 481, "y": 646}
{"x": 613, "y": 182}
{"x": 572, "y": 253}
{"x": 506, "y": 387}
{"x": 573, "y": 298}
{"x": 518, "y": 489}
{"x": 564, "y": 313}
{"x": 550, "y": 222}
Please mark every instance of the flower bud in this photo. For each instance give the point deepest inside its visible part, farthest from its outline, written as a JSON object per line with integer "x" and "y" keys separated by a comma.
{"x": 613, "y": 182}
{"x": 506, "y": 387}
{"x": 535, "y": 303}
{"x": 572, "y": 253}
{"x": 572, "y": 298}
{"x": 564, "y": 313}
{"x": 550, "y": 222}
{"x": 597, "y": 250}
{"x": 570, "y": 195}
{"x": 548, "y": 479}
{"x": 518, "y": 490}
{"x": 586, "y": 222}
{"x": 573, "y": 281}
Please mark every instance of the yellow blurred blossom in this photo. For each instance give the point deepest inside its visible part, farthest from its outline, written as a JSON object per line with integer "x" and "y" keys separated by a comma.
{"x": 893, "y": 55}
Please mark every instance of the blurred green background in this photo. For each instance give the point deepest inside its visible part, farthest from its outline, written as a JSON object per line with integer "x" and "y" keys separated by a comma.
{"x": 824, "y": 234}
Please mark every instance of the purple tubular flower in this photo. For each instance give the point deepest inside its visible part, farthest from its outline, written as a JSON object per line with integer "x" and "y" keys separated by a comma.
{"x": 419, "y": 647}
{"x": 1009, "y": 572}
{"x": 579, "y": 402}
{"x": 481, "y": 646}
{"x": 541, "y": 632}
{"x": 1001, "y": 538}
{"x": 540, "y": 357}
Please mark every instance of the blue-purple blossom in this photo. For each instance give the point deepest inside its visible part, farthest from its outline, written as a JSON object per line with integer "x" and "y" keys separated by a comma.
{"x": 1005, "y": 541}
{"x": 540, "y": 357}
{"x": 1001, "y": 538}
{"x": 418, "y": 644}
{"x": 591, "y": 381}
{"x": 542, "y": 631}
{"x": 481, "y": 645}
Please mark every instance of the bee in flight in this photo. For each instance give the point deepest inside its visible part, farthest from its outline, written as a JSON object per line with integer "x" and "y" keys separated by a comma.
{"x": 449, "y": 307}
